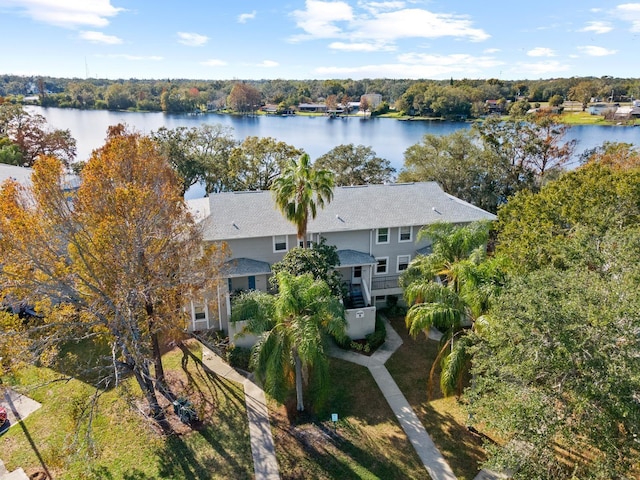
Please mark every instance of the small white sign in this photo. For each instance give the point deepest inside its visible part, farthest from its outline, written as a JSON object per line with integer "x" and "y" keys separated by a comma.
{"x": 334, "y": 417}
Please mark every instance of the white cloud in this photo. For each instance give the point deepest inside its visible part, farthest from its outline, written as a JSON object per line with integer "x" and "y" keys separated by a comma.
{"x": 597, "y": 27}
{"x": 541, "y": 52}
{"x": 379, "y": 23}
{"x": 126, "y": 56}
{"x": 361, "y": 47}
{"x": 417, "y": 23}
{"x": 100, "y": 37}
{"x": 214, "y": 62}
{"x": 527, "y": 70}
{"x": 68, "y": 13}
{"x": 243, "y": 17}
{"x": 376, "y": 7}
{"x": 594, "y": 51}
{"x": 268, "y": 64}
{"x": 491, "y": 50}
{"x": 192, "y": 39}
{"x": 319, "y": 17}
{"x": 630, "y": 12}
{"x": 417, "y": 65}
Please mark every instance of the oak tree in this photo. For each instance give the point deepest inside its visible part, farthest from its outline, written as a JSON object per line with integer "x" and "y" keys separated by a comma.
{"x": 116, "y": 260}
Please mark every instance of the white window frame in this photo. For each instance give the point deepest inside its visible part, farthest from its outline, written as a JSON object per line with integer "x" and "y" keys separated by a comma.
{"x": 410, "y": 239}
{"x": 378, "y": 242}
{"x": 286, "y": 243}
{"x": 205, "y": 309}
{"x": 310, "y": 241}
{"x": 408, "y": 257}
{"x": 386, "y": 268}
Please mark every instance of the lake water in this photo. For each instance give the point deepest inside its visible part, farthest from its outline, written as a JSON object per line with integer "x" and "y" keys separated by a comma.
{"x": 389, "y": 138}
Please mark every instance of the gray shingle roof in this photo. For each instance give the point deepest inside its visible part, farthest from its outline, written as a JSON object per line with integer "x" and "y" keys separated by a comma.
{"x": 254, "y": 214}
{"x": 241, "y": 267}
{"x": 350, "y": 258}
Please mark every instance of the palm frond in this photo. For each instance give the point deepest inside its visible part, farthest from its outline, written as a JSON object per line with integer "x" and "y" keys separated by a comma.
{"x": 454, "y": 366}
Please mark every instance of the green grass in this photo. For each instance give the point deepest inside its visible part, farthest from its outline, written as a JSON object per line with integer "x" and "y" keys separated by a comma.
{"x": 583, "y": 118}
{"x": 368, "y": 442}
{"x": 125, "y": 445}
{"x": 444, "y": 418}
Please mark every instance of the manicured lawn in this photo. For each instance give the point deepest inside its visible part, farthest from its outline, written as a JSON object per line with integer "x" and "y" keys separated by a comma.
{"x": 583, "y": 118}
{"x": 124, "y": 444}
{"x": 368, "y": 443}
{"x": 444, "y": 418}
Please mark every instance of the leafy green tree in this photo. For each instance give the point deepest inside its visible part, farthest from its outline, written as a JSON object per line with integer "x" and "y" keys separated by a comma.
{"x": 462, "y": 168}
{"x": 292, "y": 328}
{"x": 320, "y": 261}
{"x": 258, "y": 161}
{"x": 451, "y": 290}
{"x": 300, "y": 190}
{"x": 180, "y": 146}
{"x": 519, "y": 109}
{"x": 557, "y": 373}
{"x": 356, "y": 165}
{"x": 31, "y": 134}
{"x": 535, "y": 147}
{"x": 583, "y": 92}
{"x": 586, "y": 204}
{"x": 10, "y": 152}
{"x": 556, "y": 100}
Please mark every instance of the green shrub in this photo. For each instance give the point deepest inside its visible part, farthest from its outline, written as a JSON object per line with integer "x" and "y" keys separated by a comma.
{"x": 377, "y": 338}
{"x": 239, "y": 357}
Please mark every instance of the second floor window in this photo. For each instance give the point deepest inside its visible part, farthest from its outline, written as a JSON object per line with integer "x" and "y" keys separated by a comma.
{"x": 405, "y": 234}
{"x": 383, "y": 235}
{"x": 279, "y": 243}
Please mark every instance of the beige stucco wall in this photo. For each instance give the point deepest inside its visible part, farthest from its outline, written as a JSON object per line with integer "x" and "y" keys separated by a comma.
{"x": 360, "y": 322}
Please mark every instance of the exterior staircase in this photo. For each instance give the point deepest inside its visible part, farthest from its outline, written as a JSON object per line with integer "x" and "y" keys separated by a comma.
{"x": 356, "y": 298}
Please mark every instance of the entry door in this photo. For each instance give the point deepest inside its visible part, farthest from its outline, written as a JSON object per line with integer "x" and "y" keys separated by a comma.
{"x": 356, "y": 275}
{"x": 252, "y": 282}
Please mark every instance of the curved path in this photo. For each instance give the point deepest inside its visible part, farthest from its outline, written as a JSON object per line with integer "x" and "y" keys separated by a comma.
{"x": 265, "y": 464}
{"x": 431, "y": 457}
{"x": 262, "y": 445}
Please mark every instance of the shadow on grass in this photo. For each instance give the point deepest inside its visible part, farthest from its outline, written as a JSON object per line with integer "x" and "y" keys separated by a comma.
{"x": 28, "y": 436}
{"x": 89, "y": 361}
{"x": 223, "y": 419}
{"x": 343, "y": 453}
{"x": 444, "y": 419}
{"x": 367, "y": 443}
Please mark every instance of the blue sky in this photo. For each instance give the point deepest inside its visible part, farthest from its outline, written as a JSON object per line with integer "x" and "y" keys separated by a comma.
{"x": 298, "y": 39}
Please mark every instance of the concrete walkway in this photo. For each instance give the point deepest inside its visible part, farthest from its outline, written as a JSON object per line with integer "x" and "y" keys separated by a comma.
{"x": 265, "y": 464}
{"x": 431, "y": 457}
{"x": 18, "y": 408}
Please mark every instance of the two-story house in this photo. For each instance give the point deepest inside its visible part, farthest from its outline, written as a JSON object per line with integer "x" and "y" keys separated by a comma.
{"x": 374, "y": 227}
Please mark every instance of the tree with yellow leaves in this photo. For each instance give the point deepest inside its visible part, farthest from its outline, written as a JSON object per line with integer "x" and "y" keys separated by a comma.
{"x": 117, "y": 259}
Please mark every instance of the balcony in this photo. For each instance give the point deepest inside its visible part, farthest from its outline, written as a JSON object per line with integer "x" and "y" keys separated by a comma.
{"x": 385, "y": 282}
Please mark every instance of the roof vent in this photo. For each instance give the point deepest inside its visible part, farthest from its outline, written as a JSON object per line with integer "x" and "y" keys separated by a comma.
{"x": 436, "y": 210}
{"x": 339, "y": 218}
{"x": 235, "y": 226}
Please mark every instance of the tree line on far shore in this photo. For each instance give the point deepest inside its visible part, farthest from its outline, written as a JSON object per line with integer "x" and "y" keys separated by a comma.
{"x": 453, "y": 98}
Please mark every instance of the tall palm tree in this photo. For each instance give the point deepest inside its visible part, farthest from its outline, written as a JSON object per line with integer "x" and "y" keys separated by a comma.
{"x": 451, "y": 289}
{"x": 292, "y": 327}
{"x": 300, "y": 190}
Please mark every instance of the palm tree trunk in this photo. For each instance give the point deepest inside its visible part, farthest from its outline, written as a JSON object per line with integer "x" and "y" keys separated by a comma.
{"x": 300, "y": 404}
